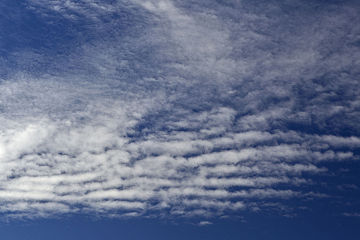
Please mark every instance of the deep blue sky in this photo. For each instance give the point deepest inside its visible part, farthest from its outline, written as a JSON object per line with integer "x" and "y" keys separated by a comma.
{"x": 256, "y": 227}
{"x": 169, "y": 119}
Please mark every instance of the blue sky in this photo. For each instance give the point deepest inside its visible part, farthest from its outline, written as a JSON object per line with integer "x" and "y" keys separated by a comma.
{"x": 176, "y": 119}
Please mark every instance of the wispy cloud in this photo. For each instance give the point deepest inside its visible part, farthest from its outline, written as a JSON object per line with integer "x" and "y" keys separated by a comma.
{"x": 204, "y": 223}
{"x": 195, "y": 111}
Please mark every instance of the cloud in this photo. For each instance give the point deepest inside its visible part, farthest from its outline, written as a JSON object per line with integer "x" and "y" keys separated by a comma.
{"x": 97, "y": 167}
{"x": 202, "y": 111}
{"x": 351, "y": 214}
{"x": 205, "y": 223}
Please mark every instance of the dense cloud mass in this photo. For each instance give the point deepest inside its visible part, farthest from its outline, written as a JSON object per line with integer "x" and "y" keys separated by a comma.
{"x": 175, "y": 108}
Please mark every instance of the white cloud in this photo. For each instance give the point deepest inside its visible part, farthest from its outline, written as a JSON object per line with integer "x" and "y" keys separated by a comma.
{"x": 205, "y": 223}
{"x": 192, "y": 112}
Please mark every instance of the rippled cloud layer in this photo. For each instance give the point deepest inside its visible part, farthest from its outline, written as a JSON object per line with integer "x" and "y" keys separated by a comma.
{"x": 176, "y": 108}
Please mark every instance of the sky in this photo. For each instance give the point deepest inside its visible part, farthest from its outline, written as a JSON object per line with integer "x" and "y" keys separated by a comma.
{"x": 169, "y": 119}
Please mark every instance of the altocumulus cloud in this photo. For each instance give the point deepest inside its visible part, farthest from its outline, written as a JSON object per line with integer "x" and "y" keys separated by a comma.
{"x": 178, "y": 108}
